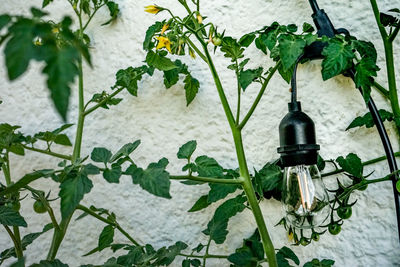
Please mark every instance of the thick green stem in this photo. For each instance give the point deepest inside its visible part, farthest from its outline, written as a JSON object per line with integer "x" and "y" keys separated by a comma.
{"x": 365, "y": 163}
{"x": 81, "y": 115}
{"x": 115, "y": 224}
{"x": 47, "y": 152}
{"x": 17, "y": 245}
{"x": 205, "y": 179}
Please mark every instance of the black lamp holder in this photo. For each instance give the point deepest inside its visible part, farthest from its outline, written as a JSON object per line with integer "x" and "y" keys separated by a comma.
{"x": 297, "y": 146}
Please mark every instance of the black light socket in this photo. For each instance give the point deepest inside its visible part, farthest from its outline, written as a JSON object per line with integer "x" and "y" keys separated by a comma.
{"x": 297, "y": 138}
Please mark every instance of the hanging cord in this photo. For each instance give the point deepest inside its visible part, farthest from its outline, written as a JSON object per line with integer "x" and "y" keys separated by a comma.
{"x": 314, "y": 5}
{"x": 293, "y": 81}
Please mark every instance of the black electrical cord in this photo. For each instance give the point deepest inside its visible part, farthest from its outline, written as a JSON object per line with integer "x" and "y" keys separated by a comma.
{"x": 325, "y": 27}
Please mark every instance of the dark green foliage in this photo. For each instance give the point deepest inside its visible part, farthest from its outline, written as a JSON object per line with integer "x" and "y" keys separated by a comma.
{"x": 186, "y": 151}
{"x": 217, "y": 227}
{"x": 318, "y": 263}
{"x": 191, "y": 88}
{"x": 53, "y": 263}
{"x": 155, "y": 179}
{"x": 159, "y": 62}
{"x": 351, "y": 164}
{"x": 10, "y": 217}
{"x": 367, "y": 120}
{"x": 248, "y": 76}
{"x": 285, "y": 254}
{"x": 250, "y": 253}
{"x": 338, "y": 58}
{"x": 200, "y": 204}
{"x": 231, "y": 48}
{"x": 128, "y": 78}
{"x": 208, "y": 167}
{"x": 290, "y": 48}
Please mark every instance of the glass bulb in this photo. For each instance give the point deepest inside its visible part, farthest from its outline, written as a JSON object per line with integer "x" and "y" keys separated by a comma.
{"x": 304, "y": 197}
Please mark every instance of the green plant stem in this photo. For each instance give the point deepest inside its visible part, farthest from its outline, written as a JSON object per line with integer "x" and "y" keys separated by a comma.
{"x": 259, "y": 96}
{"x": 390, "y": 68}
{"x": 91, "y": 16}
{"x": 115, "y": 224}
{"x": 244, "y": 172}
{"x": 17, "y": 244}
{"x": 207, "y": 250}
{"x": 384, "y": 92}
{"x": 16, "y": 235}
{"x": 47, "y": 152}
{"x": 192, "y": 45}
{"x": 90, "y": 110}
{"x": 362, "y": 184}
{"x": 209, "y": 256}
{"x": 81, "y": 115}
{"x": 239, "y": 92}
{"x": 365, "y": 163}
{"x": 205, "y": 179}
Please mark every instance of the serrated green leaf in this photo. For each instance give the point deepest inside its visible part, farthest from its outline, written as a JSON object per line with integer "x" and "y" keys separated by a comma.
{"x": 231, "y": 48}
{"x": 191, "y": 88}
{"x": 128, "y": 78}
{"x": 291, "y": 28}
{"x": 250, "y": 253}
{"x": 307, "y": 27}
{"x": 62, "y": 139}
{"x": 46, "y": 2}
{"x": 72, "y": 191}
{"x": 159, "y": 62}
{"x": 270, "y": 176}
{"x": 156, "y": 27}
{"x": 317, "y": 263}
{"x": 113, "y": 8}
{"x": 248, "y": 76}
{"x": 4, "y": 20}
{"x": 154, "y": 179}
{"x": 125, "y": 150}
{"x": 167, "y": 256}
{"x": 208, "y": 167}
{"x": 101, "y": 154}
{"x": 53, "y": 263}
{"x": 186, "y": 263}
{"x": 290, "y": 49}
{"x": 247, "y": 39}
{"x": 289, "y": 254}
{"x": 220, "y": 191}
{"x": 286, "y": 74}
{"x": 217, "y": 227}
{"x": 106, "y": 237}
{"x": 351, "y": 164}
{"x": 17, "y": 149}
{"x": 200, "y": 204}
{"x": 112, "y": 175}
{"x": 10, "y": 217}
{"x": 365, "y": 70}
{"x": 186, "y": 150}
{"x": 368, "y": 121}
{"x": 338, "y": 58}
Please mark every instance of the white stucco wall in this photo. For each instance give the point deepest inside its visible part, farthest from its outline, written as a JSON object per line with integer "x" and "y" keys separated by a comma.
{"x": 162, "y": 121}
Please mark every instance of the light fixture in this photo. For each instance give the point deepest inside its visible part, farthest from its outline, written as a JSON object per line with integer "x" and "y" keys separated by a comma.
{"x": 299, "y": 149}
{"x": 304, "y": 196}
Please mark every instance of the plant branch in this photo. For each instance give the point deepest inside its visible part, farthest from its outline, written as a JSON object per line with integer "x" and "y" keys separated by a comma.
{"x": 91, "y": 16}
{"x": 90, "y": 110}
{"x": 48, "y": 152}
{"x": 259, "y": 96}
{"x": 17, "y": 247}
{"x": 365, "y": 163}
{"x": 201, "y": 55}
{"x": 207, "y": 250}
{"x": 205, "y": 179}
{"x": 384, "y": 92}
{"x": 375, "y": 9}
{"x": 239, "y": 92}
{"x": 209, "y": 256}
{"x": 115, "y": 224}
{"x": 393, "y": 35}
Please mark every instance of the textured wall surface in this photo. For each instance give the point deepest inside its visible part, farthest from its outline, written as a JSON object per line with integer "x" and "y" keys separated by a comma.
{"x": 162, "y": 121}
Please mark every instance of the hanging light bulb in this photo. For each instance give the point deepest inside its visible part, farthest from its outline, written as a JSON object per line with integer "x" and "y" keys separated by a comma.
{"x": 304, "y": 196}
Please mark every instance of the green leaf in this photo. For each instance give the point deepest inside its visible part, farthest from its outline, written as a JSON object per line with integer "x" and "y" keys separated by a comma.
{"x": 365, "y": 70}
{"x": 113, "y": 8}
{"x": 208, "y": 167}
{"x": 186, "y": 263}
{"x": 200, "y": 204}
{"x": 318, "y": 263}
{"x": 220, "y": 191}
{"x": 112, "y": 175}
{"x": 61, "y": 71}
{"x": 53, "y": 263}
{"x": 4, "y": 20}
{"x": 154, "y": 179}
{"x": 191, "y": 88}
{"x": 398, "y": 186}
{"x": 125, "y": 150}
{"x": 217, "y": 227}
{"x": 171, "y": 77}
{"x": 10, "y": 217}
{"x": 271, "y": 177}
{"x": 286, "y": 74}
{"x": 290, "y": 49}
{"x": 101, "y": 154}
{"x": 390, "y": 18}
{"x": 159, "y": 62}
{"x": 248, "y": 76}
{"x": 307, "y": 27}
{"x": 17, "y": 149}
{"x": 250, "y": 253}
{"x": 186, "y": 150}
{"x": 46, "y": 2}
{"x": 338, "y": 58}
{"x": 20, "y": 49}
{"x": 167, "y": 256}
{"x": 106, "y": 237}
{"x": 351, "y": 164}
{"x": 128, "y": 78}
{"x": 231, "y": 48}
{"x": 289, "y": 254}
{"x": 195, "y": 262}
{"x": 247, "y": 39}
{"x": 368, "y": 121}
{"x": 72, "y": 191}
{"x": 156, "y": 27}
{"x": 291, "y": 28}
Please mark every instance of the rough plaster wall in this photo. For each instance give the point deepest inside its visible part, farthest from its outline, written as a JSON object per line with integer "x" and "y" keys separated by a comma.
{"x": 162, "y": 121}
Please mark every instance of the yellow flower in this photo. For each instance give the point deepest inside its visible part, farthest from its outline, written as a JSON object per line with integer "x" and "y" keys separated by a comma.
{"x": 191, "y": 53}
{"x": 290, "y": 235}
{"x": 199, "y": 18}
{"x": 163, "y": 42}
{"x": 153, "y": 9}
{"x": 164, "y": 28}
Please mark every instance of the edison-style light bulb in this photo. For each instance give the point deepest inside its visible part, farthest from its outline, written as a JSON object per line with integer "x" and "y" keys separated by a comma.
{"x": 304, "y": 197}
